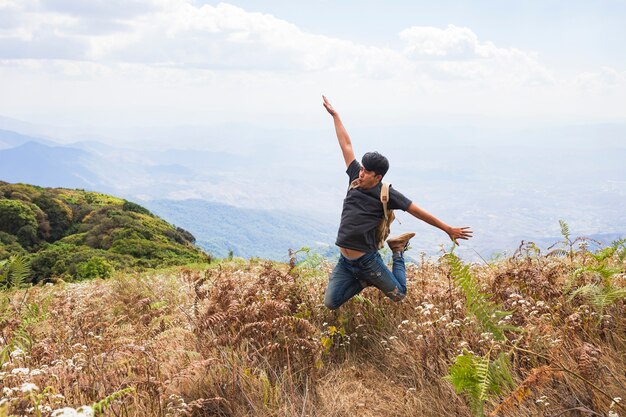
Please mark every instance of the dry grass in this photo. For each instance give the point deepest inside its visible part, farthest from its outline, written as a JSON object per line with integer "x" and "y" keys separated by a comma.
{"x": 253, "y": 338}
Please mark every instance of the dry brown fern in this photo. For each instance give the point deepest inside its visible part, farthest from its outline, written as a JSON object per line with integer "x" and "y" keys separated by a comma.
{"x": 587, "y": 359}
{"x": 535, "y": 381}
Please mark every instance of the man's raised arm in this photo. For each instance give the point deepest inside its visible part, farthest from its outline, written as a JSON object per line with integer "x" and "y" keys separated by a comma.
{"x": 342, "y": 135}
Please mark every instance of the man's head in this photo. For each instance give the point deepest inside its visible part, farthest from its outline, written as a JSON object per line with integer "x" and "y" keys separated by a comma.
{"x": 374, "y": 168}
{"x": 373, "y": 161}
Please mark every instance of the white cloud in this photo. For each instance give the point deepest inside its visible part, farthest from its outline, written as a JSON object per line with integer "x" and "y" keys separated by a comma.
{"x": 177, "y": 33}
{"x": 183, "y": 60}
{"x": 603, "y": 80}
{"x": 456, "y": 52}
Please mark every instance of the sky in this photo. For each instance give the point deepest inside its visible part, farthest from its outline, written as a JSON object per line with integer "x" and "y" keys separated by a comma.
{"x": 168, "y": 63}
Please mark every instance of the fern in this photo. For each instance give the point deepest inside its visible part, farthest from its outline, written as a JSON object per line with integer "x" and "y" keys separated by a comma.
{"x": 479, "y": 304}
{"x": 479, "y": 378}
{"x": 603, "y": 292}
{"x": 14, "y": 272}
{"x": 483, "y": 377}
{"x": 565, "y": 230}
{"x": 101, "y": 406}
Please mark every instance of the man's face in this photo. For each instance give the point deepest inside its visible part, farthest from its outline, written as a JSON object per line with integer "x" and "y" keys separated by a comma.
{"x": 368, "y": 179}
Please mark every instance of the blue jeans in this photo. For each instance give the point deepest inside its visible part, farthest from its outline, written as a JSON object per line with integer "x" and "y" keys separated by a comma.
{"x": 350, "y": 276}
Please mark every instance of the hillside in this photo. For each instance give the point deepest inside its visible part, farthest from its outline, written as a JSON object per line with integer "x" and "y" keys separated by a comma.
{"x": 254, "y": 339}
{"x": 77, "y": 234}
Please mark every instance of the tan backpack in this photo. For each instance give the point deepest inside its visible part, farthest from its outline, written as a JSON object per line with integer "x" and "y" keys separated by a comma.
{"x": 384, "y": 227}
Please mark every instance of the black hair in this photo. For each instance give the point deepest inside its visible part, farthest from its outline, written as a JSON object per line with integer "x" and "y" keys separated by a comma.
{"x": 373, "y": 161}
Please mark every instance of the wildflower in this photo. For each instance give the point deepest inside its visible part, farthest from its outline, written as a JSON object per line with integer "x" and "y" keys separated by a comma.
{"x": 20, "y": 371}
{"x": 27, "y": 387}
{"x": 405, "y": 322}
{"x": 85, "y": 411}
{"x": 17, "y": 353}
{"x": 64, "y": 412}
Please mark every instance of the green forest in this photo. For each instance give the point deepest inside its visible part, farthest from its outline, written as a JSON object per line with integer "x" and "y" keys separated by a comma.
{"x": 77, "y": 234}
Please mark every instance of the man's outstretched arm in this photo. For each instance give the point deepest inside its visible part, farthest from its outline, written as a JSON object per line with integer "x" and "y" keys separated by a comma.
{"x": 342, "y": 134}
{"x": 454, "y": 232}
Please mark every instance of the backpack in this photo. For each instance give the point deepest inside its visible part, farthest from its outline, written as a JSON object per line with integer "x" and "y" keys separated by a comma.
{"x": 384, "y": 227}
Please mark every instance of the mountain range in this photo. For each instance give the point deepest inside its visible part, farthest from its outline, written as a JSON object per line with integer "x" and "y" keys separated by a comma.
{"x": 275, "y": 190}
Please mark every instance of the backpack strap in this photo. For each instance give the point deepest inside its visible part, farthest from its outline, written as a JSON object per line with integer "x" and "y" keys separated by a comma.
{"x": 384, "y": 197}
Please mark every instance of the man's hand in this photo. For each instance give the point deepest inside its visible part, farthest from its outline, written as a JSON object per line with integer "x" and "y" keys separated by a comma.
{"x": 459, "y": 233}
{"x": 328, "y": 106}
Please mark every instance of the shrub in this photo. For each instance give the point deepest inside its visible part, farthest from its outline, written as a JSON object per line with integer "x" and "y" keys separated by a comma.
{"x": 94, "y": 268}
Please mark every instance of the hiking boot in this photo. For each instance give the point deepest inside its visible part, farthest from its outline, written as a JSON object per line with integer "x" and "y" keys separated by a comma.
{"x": 399, "y": 243}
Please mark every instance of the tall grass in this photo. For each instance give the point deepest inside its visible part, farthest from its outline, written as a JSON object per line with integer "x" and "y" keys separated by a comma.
{"x": 254, "y": 338}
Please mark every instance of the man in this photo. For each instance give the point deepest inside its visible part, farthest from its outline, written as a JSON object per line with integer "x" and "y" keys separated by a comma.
{"x": 360, "y": 265}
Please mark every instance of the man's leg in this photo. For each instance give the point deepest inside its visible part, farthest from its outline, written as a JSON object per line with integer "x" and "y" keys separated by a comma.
{"x": 342, "y": 285}
{"x": 372, "y": 269}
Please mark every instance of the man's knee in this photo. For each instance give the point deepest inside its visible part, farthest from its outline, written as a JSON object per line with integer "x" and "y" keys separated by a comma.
{"x": 396, "y": 295}
{"x": 330, "y": 304}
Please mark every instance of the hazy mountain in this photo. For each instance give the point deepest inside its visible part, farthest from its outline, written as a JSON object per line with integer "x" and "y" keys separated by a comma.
{"x": 220, "y": 228}
{"x": 10, "y": 139}
{"x": 47, "y": 166}
{"x": 507, "y": 183}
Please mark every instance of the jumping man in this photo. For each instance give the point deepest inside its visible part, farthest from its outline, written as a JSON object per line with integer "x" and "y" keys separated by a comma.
{"x": 360, "y": 265}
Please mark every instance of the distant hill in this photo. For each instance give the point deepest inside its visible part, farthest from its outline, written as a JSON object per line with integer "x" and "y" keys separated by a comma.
{"x": 48, "y": 166}
{"x": 10, "y": 139}
{"x": 79, "y": 234}
{"x": 221, "y": 228}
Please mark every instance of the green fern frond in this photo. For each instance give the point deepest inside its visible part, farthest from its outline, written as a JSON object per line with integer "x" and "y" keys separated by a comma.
{"x": 462, "y": 374}
{"x": 604, "y": 253}
{"x": 14, "y": 272}
{"x": 586, "y": 291}
{"x": 565, "y": 230}
{"x": 483, "y": 377}
{"x": 486, "y": 311}
{"x": 607, "y": 298}
{"x": 101, "y": 406}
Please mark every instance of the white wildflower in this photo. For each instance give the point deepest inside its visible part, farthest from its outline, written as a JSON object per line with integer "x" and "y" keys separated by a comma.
{"x": 612, "y": 414}
{"x": 85, "y": 411}
{"x": 27, "y": 387}
{"x": 17, "y": 353}
{"x": 20, "y": 371}
{"x": 64, "y": 412}
{"x": 405, "y": 322}
{"x": 6, "y": 391}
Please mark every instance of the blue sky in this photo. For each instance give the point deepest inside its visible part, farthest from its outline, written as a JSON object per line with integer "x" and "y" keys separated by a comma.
{"x": 169, "y": 63}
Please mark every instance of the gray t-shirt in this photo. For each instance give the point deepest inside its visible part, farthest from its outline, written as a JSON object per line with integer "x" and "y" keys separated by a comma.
{"x": 363, "y": 212}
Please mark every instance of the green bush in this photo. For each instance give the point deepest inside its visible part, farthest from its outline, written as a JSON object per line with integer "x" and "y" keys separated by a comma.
{"x": 93, "y": 268}
{"x": 15, "y": 215}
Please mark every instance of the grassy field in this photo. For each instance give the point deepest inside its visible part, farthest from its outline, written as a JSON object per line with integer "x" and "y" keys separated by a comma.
{"x": 531, "y": 335}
